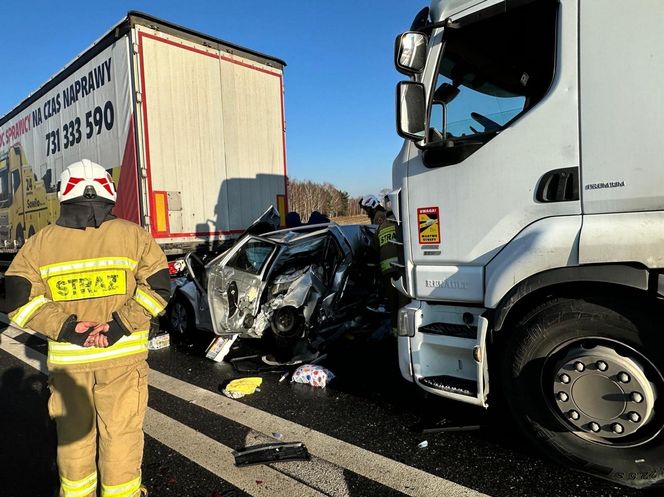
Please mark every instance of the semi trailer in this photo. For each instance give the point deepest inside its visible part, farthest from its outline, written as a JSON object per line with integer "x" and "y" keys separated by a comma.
{"x": 191, "y": 128}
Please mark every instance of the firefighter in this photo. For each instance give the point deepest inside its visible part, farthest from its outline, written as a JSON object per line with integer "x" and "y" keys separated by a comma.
{"x": 388, "y": 256}
{"x": 369, "y": 204}
{"x": 92, "y": 284}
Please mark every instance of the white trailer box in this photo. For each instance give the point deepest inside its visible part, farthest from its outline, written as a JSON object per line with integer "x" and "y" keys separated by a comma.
{"x": 191, "y": 127}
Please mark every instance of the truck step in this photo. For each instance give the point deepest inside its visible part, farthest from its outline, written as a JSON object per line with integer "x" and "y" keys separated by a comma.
{"x": 450, "y": 330}
{"x": 451, "y": 384}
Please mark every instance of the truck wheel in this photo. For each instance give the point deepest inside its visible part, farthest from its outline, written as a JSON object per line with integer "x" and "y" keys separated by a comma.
{"x": 584, "y": 382}
{"x": 20, "y": 237}
{"x": 31, "y": 231}
{"x": 180, "y": 318}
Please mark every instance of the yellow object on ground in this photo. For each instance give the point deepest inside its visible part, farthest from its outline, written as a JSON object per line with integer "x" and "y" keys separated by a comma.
{"x": 244, "y": 386}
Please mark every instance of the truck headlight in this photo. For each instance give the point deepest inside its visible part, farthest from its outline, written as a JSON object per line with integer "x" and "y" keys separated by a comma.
{"x": 406, "y": 326}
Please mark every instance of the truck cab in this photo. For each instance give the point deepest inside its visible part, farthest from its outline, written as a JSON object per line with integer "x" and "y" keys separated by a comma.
{"x": 23, "y": 198}
{"x": 528, "y": 195}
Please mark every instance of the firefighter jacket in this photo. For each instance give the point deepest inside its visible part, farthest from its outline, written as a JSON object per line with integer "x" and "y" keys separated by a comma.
{"x": 388, "y": 252}
{"x": 115, "y": 272}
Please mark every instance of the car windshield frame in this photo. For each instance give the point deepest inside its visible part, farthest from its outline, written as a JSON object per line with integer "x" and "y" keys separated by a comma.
{"x": 260, "y": 271}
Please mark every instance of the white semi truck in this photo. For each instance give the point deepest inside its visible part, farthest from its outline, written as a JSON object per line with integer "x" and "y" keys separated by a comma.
{"x": 191, "y": 127}
{"x": 529, "y": 193}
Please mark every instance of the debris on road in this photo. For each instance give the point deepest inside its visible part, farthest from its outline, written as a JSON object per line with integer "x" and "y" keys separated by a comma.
{"x": 241, "y": 387}
{"x": 277, "y": 435}
{"x": 220, "y": 347}
{"x": 271, "y": 452}
{"x": 423, "y": 445}
{"x": 311, "y": 374}
{"x": 159, "y": 342}
{"x": 443, "y": 429}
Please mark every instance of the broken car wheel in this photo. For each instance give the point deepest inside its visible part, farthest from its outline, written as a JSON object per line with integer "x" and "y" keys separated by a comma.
{"x": 286, "y": 322}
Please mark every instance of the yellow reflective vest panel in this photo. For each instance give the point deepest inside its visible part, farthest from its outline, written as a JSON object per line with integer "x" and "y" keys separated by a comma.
{"x": 91, "y": 273}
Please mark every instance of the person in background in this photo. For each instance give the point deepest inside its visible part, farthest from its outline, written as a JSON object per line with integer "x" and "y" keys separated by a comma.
{"x": 379, "y": 215}
{"x": 369, "y": 204}
{"x": 318, "y": 218}
{"x": 388, "y": 256}
{"x": 293, "y": 220}
{"x": 92, "y": 284}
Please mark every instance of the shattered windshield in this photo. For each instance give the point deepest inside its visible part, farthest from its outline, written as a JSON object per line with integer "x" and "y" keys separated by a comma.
{"x": 253, "y": 255}
{"x": 493, "y": 70}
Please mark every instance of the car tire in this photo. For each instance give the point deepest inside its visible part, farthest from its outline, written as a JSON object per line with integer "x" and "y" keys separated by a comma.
{"x": 561, "y": 372}
{"x": 181, "y": 320}
{"x": 287, "y": 326}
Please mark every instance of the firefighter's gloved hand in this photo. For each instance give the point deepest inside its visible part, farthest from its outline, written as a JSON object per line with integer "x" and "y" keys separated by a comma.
{"x": 76, "y": 332}
{"x": 97, "y": 338}
{"x": 115, "y": 332}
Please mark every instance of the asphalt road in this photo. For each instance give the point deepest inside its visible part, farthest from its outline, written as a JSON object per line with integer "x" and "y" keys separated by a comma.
{"x": 363, "y": 431}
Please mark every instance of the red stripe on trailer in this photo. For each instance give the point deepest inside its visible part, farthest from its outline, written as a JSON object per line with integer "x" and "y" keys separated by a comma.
{"x": 128, "y": 206}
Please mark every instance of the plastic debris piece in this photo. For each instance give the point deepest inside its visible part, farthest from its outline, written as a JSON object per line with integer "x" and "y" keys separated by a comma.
{"x": 278, "y": 435}
{"x": 241, "y": 387}
{"x": 423, "y": 445}
{"x": 271, "y": 452}
{"x": 313, "y": 375}
{"x": 220, "y": 347}
{"x": 444, "y": 429}
{"x": 159, "y": 342}
{"x": 284, "y": 376}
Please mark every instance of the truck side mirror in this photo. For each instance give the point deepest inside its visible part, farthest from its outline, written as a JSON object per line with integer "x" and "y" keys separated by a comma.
{"x": 411, "y": 110}
{"x": 410, "y": 52}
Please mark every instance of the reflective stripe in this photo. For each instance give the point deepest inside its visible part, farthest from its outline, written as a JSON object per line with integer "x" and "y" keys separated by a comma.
{"x": 386, "y": 265}
{"x": 68, "y": 353}
{"x": 147, "y": 302}
{"x": 385, "y": 234}
{"x": 123, "y": 490}
{"x": 24, "y": 313}
{"x": 78, "y": 488}
{"x": 99, "y": 263}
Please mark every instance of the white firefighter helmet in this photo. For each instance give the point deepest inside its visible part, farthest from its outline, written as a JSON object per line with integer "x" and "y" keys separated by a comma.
{"x": 369, "y": 202}
{"x": 87, "y": 180}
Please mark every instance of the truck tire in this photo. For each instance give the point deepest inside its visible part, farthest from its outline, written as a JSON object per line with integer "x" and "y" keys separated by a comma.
{"x": 20, "y": 237}
{"x": 584, "y": 382}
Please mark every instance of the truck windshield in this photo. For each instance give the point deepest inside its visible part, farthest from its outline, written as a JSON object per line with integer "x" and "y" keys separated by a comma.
{"x": 16, "y": 179}
{"x": 493, "y": 70}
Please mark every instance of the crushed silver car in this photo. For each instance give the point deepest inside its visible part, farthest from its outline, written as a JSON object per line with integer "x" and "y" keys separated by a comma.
{"x": 297, "y": 284}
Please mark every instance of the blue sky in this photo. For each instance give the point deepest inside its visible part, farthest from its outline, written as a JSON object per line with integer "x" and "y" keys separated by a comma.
{"x": 339, "y": 82}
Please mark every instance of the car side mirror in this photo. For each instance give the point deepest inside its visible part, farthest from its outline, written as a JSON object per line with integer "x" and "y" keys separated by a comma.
{"x": 410, "y": 52}
{"x": 411, "y": 110}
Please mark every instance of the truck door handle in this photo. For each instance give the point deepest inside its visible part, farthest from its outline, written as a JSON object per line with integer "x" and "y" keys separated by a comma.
{"x": 559, "y": 185}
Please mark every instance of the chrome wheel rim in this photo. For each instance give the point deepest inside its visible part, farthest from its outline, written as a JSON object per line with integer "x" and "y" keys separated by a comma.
{"x": 604, "y": 391}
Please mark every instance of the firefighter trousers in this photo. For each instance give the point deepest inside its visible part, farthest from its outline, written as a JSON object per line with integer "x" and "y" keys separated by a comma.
{"x": 99, "y": 419}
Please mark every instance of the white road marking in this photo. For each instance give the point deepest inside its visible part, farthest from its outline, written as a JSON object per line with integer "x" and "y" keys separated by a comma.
{"x": 258, "y": 481}
{"x": 398, "y": 476}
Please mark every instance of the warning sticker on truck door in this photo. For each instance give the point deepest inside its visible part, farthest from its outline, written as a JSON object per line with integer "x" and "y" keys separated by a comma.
{"x": 428, "y": 219}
